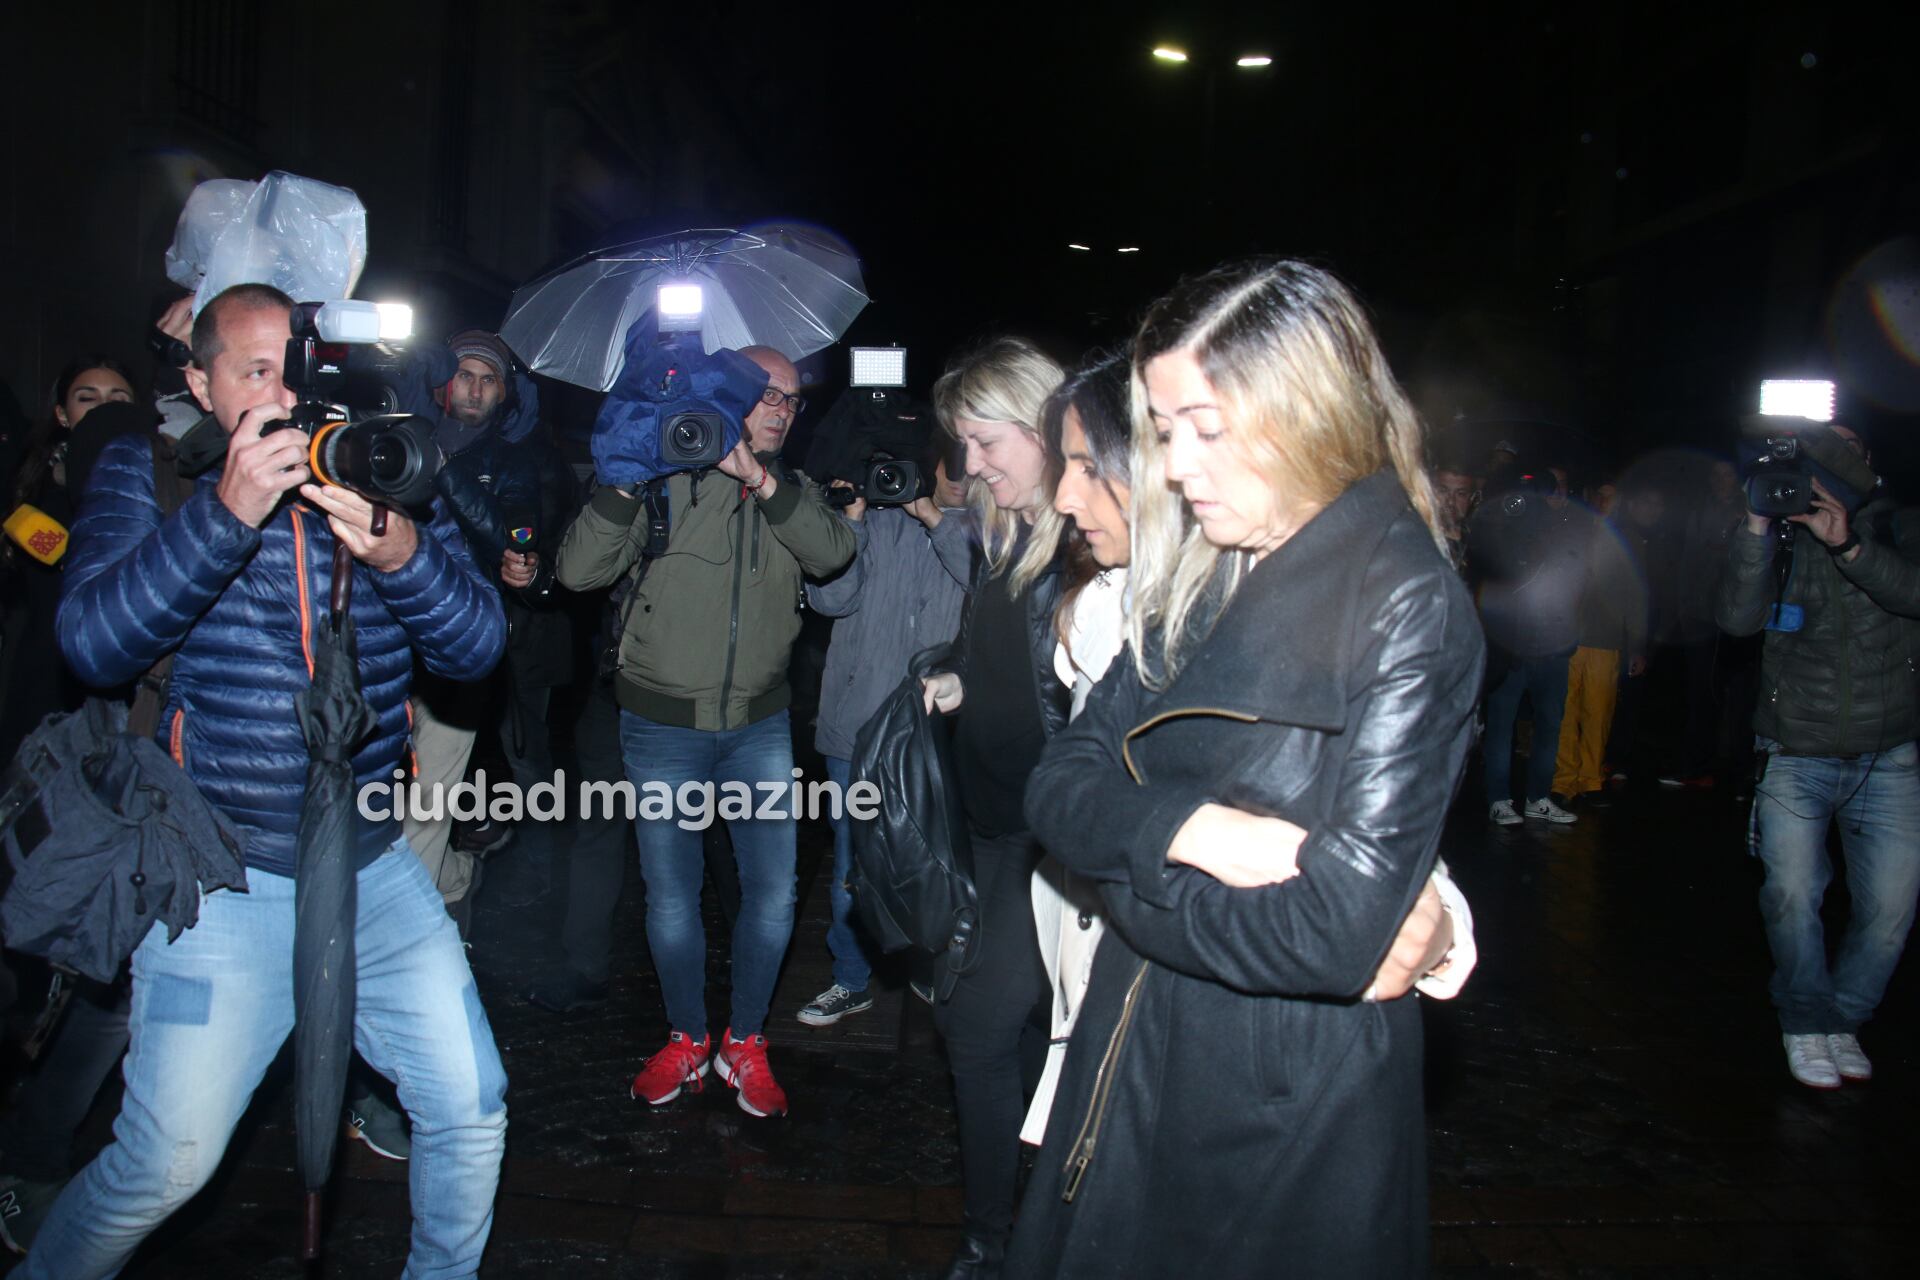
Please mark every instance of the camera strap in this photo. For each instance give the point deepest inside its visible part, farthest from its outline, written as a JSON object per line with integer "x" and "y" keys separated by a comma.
{"x": 659, "y": 513}
{"x": 653, "y": 498}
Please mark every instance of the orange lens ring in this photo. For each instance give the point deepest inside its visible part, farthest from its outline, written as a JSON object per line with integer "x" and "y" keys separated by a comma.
{"x": 316, "y": 450}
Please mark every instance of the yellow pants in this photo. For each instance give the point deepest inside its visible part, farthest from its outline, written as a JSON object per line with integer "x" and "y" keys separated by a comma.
{"x": 1593, "y": 682}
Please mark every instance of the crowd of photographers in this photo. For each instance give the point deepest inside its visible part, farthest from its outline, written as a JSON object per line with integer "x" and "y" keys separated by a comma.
{"x": 645, "y": 631}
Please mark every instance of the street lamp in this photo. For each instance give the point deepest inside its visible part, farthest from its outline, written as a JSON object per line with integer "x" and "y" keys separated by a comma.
{"x": 1210, "y": 64}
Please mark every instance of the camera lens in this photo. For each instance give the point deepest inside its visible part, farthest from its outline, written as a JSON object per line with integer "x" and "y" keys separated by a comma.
{"x": 689, "y": 435}
{"x": 388, "y": 460}
{"x": 888, "y": 481}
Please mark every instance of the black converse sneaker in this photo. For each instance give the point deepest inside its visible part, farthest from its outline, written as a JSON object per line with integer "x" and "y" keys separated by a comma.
{"x": 833, "y": 1004}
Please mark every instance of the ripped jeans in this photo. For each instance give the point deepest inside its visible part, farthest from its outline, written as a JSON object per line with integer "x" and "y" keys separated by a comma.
{"x": 210, "y": 1012}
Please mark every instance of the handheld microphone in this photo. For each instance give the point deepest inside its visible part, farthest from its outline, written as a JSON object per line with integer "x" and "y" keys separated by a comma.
{"x": 37, "y": 533}
{"x": 520, "y": 523}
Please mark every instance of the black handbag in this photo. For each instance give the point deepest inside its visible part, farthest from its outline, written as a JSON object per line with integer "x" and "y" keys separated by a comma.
{"x": 103, "y": 833}
{"x": 913, "y": 880}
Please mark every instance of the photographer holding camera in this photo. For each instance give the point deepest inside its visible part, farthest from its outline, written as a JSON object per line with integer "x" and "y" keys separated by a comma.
{"x": 707, "y": 629}
{"x": 904, "y": 592}
{"x": 1835, "y": 726}
{"x": 232, "y": 584}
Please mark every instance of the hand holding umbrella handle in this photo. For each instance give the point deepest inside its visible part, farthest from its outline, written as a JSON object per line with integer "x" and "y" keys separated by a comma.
{"x": 340, "y": 599}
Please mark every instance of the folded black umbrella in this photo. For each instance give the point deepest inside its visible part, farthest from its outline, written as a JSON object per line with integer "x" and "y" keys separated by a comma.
{"x": 336, "y": 719}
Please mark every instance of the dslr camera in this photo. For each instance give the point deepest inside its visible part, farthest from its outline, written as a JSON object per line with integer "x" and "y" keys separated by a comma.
{"x": 338, "y": 354}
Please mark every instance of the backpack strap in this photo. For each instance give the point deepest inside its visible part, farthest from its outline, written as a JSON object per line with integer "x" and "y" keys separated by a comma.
{"x": 170, "y": 490}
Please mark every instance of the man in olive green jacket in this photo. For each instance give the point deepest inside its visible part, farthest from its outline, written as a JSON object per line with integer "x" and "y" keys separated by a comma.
{"x": 701, "y": 679}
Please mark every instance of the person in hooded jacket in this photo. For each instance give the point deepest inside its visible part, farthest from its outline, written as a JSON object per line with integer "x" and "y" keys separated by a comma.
{"x": 1258, "y": 790}
{"x": 487, "y": 415}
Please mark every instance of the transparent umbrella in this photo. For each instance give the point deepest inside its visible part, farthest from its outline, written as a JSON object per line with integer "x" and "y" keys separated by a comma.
{"x": 792, "y": 288}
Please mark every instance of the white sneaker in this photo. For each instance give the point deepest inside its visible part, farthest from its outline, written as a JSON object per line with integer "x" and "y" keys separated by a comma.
{"x": 1502, "y": 813}
{"x": 1547, "y": 811}
{"x": 1811, "y": 1062}
{"x": 1848, "y": 1059}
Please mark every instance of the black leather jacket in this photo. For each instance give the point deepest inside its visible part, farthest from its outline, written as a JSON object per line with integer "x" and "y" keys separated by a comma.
{"x": 481, "y": 484}
{"x": 1336, "y": 690}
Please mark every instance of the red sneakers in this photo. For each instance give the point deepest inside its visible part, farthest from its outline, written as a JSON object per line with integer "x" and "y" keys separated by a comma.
{"x": 743, "y": 1064}
{"x": 678, "y": 1066}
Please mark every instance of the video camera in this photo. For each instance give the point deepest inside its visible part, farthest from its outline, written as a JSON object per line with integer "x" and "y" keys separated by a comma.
{"x": 1790, "y": 444}
{"x": 674, "y": 407}
{"x": 876, "y": 437}
{"x": 339, "y": 363}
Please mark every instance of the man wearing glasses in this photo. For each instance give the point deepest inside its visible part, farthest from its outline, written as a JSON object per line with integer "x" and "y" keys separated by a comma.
{"x": 705, "y": 636}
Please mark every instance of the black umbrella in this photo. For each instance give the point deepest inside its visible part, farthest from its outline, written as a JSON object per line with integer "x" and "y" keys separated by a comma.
{"x": 336, "y": 719}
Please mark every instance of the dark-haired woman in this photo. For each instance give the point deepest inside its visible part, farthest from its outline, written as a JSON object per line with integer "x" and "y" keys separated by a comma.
{"x": 1259, "y": 794}
{"x": 36, "y": 1134}
{"x": 36, "y": 682}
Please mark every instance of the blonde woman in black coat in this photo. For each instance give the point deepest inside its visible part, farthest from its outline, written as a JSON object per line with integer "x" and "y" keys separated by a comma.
{"x": 1260, "y": 798}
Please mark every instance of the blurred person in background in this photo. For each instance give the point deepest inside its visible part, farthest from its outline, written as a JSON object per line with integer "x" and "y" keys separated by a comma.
{"x": 902, "y": 592}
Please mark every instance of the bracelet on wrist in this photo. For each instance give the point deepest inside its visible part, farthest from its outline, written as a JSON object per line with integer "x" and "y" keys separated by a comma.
{"x": 1841, "y": 548}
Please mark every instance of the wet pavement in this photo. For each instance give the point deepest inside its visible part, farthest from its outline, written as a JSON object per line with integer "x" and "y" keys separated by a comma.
{"x": 1608, "y": 1097}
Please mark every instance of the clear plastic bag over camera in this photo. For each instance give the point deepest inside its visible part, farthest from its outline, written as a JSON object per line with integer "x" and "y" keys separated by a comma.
{"x": 306, "y": 238}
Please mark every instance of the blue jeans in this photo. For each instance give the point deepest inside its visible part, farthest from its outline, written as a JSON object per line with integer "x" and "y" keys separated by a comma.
{"x": 672, "y": 862}
{"x": 1545, "y": 679}
{"x": 851, "y": 968}
{"x": 1876, "y": 801}
{"x": 210, "y": 1012}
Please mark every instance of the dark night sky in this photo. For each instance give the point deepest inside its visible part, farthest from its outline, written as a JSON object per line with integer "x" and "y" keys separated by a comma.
{"x": 961, "y": 149}
{"x": 962, "y": 152}
{"x": 1430, "y": 154}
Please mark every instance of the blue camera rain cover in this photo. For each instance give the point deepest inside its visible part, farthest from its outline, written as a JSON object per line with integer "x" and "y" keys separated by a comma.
{"x": 659, "y": 381}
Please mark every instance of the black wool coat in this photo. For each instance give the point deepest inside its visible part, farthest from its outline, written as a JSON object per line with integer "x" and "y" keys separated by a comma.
{"x": 1229, "y": 1105}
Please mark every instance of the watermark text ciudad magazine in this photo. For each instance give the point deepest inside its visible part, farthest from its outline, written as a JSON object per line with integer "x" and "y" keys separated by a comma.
{"x": 692, "y": 805}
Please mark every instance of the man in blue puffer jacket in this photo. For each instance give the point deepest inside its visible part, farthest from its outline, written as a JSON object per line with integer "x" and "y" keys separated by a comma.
{"x": 233, "y": 583}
